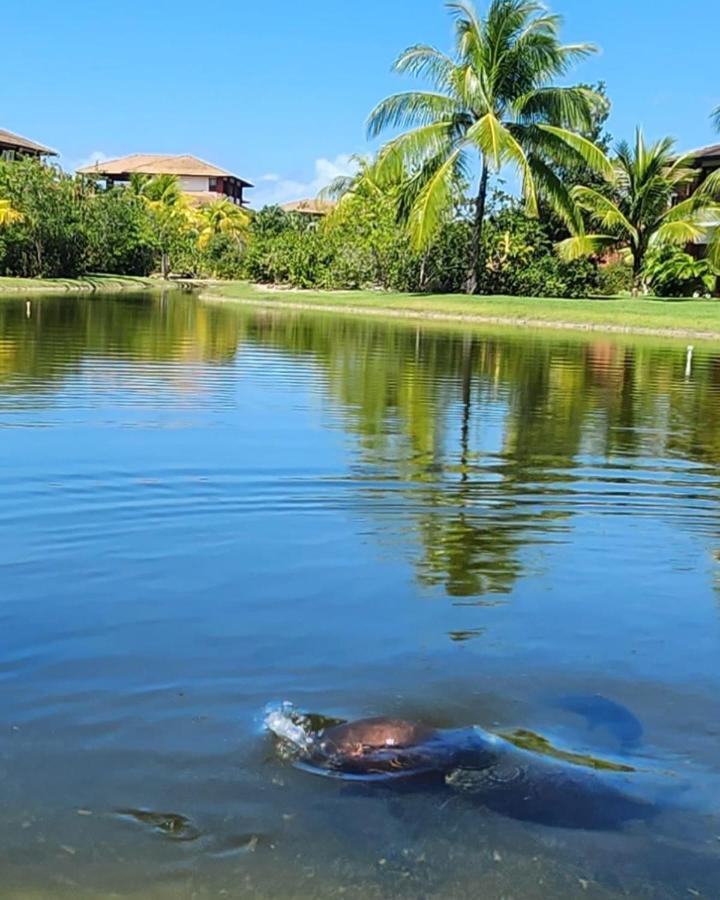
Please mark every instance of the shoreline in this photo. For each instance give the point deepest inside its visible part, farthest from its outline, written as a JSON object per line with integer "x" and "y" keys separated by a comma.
{"x": 463, "y": 318}
{"x": 88, "y": 284}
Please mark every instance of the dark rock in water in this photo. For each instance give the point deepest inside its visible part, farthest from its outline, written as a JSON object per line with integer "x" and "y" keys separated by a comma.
{"x": 169, "y": 825}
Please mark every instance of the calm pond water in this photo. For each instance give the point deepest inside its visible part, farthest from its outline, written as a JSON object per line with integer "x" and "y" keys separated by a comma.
{"x": 205, "y": 509}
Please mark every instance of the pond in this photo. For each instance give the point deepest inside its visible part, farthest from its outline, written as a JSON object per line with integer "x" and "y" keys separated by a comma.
{"x": 205, "y": 509}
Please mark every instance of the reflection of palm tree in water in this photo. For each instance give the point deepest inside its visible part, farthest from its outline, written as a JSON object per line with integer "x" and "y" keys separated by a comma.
{"x": 396, "y": 387}
{"x": 475, "y": 552}
{"x": 558, "y": 401}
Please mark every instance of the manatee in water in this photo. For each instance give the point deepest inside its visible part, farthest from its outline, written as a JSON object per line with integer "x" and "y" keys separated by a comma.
{"x": 519, "y": 775}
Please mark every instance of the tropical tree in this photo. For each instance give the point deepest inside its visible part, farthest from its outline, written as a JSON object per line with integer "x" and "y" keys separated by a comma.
{"x": 361, "y": 182}
{"x": 49, "y": 240}
{"x": 170, "y": 209}
{"x": 494, "y": 103}
{"x": 638, "y": 211}
{"x": 121, "y": 233}
{"x": 222, "y": 217}
{"x": 716, "y": 117}
{"x": 8, "y": 214}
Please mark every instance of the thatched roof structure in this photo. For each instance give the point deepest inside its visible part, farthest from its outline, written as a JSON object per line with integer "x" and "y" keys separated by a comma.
{"x": 158, "y": 164}
{"x": 711, "y": 152}
{"x": 11, "y": 141}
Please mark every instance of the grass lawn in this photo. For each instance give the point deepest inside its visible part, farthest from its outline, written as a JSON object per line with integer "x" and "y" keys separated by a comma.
{"x": 88, "y": 283}
{"x": 692, "y": 318}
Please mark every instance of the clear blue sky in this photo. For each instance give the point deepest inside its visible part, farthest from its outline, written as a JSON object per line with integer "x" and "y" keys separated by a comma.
{"x": 279, "y": 92}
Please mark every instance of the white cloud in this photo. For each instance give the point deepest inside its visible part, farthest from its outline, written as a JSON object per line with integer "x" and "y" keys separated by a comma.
{"x": 276, "y": 189}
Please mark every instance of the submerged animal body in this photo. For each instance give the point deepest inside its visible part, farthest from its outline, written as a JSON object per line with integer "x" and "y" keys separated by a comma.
{"x": 502, "y": 774}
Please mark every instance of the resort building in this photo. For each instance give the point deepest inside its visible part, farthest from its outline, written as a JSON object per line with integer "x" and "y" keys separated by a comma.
{"x": 201, "y": 181}
{"x": 706, "y": 160}
{"x": 314, "y": 208}
{"x": 13, "y": 146}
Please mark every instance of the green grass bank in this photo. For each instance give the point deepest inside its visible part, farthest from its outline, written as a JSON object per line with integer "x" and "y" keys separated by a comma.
{"x": 622, "y": 315}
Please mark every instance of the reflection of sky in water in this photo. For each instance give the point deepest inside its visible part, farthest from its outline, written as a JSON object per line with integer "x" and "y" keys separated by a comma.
{"x": 203, "y": 510}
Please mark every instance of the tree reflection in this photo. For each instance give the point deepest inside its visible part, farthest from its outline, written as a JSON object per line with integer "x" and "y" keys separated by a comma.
{"x": 419, "y": 401}
{"x": 48, "y": 341}
{"x": 483, "y": 437}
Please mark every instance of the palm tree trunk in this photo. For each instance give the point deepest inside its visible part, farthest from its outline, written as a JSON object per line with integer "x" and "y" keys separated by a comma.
{"x": 638, "y": 261}
{"x": 423, "y": 265}
{"x": 472, "y": 283}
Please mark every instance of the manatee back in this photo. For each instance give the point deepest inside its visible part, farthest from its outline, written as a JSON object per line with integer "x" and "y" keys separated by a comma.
{"x": 375, "y": 734}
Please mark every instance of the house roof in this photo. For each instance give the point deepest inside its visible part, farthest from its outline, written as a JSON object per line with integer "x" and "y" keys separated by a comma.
{"x": 310, "y": 207}
{"x": 710, "y": 152}
{"x": 23, "y": 143}
{"x": 158, "y": 164}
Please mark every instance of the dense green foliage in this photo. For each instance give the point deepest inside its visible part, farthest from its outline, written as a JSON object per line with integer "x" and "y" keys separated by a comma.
{"x": 361, "y": 245}
{"x": 65, "y": 227}
{"x": 614, "y": 278}
{"x": 53, "y": 225}
{"x": 47, "y": 235}
{"x": 670, "y": 272}
{"x": 119, "y": 234}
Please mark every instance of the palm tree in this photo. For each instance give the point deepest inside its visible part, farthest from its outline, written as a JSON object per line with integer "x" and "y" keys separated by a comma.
{"x": 344, "y": 185}
{"x": 716, "y": 118}
{"x": 494, "y": 104}
{"x": 637, "y": 211}
{"x": 222, "y": 217}
{"x": 8, "y": 214}
{"x": 169, "y": 207}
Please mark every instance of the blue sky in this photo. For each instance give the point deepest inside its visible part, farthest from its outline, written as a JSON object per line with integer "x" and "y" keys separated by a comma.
{"x": 279, "y": 92}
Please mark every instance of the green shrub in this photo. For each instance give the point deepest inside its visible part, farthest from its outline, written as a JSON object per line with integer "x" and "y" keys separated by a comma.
{"x": 520, "y": 258}
{"x": 119, "y": 234}
{"x": 671, "y": 272}
{"x": 222, "y": 258}
{"x": 614, "y": 278}
{"x": 50, "y": 239}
